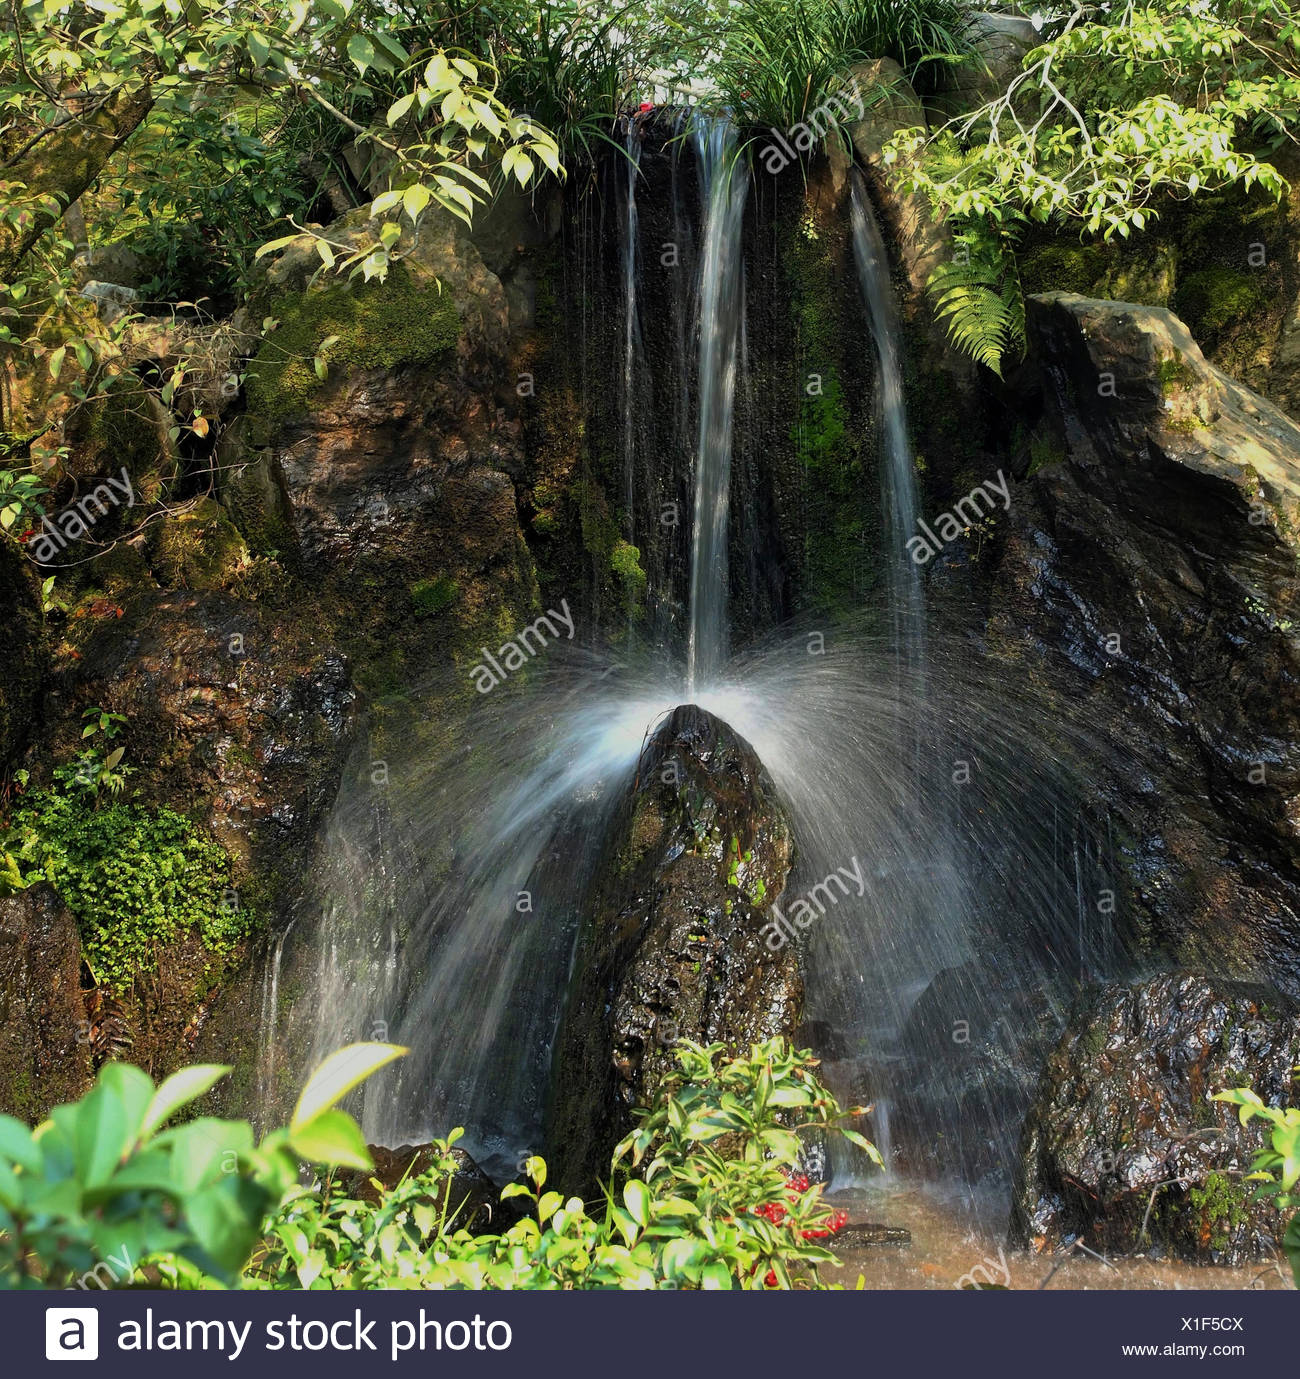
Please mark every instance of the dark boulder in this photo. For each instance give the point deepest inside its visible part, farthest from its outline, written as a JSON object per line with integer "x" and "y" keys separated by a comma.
{"x": 1123, "y": 1135}
{"x": 672, "y": 946}
{"x": 1146, "y": 588}
{"x": 44, "y": 1033}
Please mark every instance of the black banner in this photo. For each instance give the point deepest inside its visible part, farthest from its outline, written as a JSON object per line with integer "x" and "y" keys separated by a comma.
{"x": 664, "y": 1336}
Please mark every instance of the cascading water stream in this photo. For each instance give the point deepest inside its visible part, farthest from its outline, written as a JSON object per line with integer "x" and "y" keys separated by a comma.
{"x": 899, "y": 478}
{"x": 631, "y": 325}
{"x": 725, "y": 182}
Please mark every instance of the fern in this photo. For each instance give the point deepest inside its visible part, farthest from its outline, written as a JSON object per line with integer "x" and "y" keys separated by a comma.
{"x": 978, "y": 296}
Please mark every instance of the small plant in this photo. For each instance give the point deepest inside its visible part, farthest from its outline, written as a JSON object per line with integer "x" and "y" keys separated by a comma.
{"x": 20, "y": 500}
{"x": 133, "y": 876}
{"x": 95, "y": 770}
{"x": 708, "y": 1198}
{"x": 102, "y": 1183}
{"x": 1276, "y": 1166}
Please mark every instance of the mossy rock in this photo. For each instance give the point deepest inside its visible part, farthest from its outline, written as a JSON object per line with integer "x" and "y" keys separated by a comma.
{"x": 252, "y": 493}
{"x": 23, "y": 664}
{"x": 122, "y": 428}
{"x": 1211, "y": 300}
{"x": 430, "y": 596}
{"x": 200, "y": 549}
{"x": 406, "y": 319}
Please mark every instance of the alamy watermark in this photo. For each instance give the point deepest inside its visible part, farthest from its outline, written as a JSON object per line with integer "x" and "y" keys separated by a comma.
{"x": 782, "y": 927}
{"x": 807, "y": 135}
{"x": 966, "y": 512}
{"x": 514, "y": 654}
{"x": 57, "y": 534}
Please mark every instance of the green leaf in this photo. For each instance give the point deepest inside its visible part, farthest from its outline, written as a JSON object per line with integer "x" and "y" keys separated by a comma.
{"x": 362, "y": 52}
{"x": 272, "y": 245}
{"x": 182, "y": 1087}
{"x": 338, "y": 1075}
{"x": 101, "y": 1136}
{"x": 56, "y": 361}
{"x": 17, "y": 1145}
{"x": 415, "y": 199}
{"x": 332, "y": 1138}
{"x": 399, "y": 108}
{"x": 636, "y": 1198}
{"x": 259, "y": 47}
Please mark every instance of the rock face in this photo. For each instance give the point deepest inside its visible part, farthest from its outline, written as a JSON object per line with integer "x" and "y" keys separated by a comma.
{"x": 407, "y": 412}
{"x": 1147, "y": 584}
{"x": 1122, "y": 1112}
{"x": 24, "y": 660}
{"x": 229, "y": 711}
{"x": 672, "y": 946}
{"x": 44, "y": 1044}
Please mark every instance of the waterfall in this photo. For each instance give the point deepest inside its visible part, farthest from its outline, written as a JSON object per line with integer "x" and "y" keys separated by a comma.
{"x": 898, "y": 484}
{"x": 631, "y": 326}
{"x": 725, "y": 183}
{"x": 449, "y": 888}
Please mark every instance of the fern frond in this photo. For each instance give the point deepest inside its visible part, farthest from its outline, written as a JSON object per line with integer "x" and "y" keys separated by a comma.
{"x": 978, "y": 296}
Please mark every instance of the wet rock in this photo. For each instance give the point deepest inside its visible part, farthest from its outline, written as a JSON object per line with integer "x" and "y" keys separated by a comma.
{"x": 1122, "y": 1123}
{"x": 672, "y": 946}
{"x": 860, "y": 1235}
{"x": 408, "y": 411}
{"x": 44, "y": 1049}
{"x": 23, "y": 665}
{"x": 1147, "y": 586}
{"x": 234, "y": 715}
{"x": 240, "y": 719}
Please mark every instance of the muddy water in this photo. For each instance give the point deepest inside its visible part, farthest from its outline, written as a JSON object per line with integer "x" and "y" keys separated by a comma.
{"x": 949, "y": 1242}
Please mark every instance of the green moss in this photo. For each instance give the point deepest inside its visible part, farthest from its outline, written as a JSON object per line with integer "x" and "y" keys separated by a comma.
{"x": 199, "y": 549}
{"x": 403, "y": 320}
{"x": 1069, "y": 267}
{"x": 120, "y": 428}
{"x": 1221, "y": 1204}
{"x": 1043, "y": 452}
{"x": 133, "y": 877}
{"x": 625, "y": 561}
{"x": 828, "y": 451}
{"x": 1211, "y": 300}
{"x": 431, "y": 596}
{"x": 1173, "y": 374}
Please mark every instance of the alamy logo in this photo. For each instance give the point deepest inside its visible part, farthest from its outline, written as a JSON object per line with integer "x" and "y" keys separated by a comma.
{"x": 71, "y": 1333}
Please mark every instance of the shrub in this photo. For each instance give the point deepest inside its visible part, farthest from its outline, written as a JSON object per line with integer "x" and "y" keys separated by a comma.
{"x": 709, "y": 1198}
{"x": 101, "y": 1186}
{"x": 134, "y": 878}
{"x": 1277, "y": 1165}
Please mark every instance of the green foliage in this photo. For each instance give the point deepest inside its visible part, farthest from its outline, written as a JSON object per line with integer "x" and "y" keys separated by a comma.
{"x": 20, "y": 500}
{"x": 710, "y": 1201}
{"x": 1119, "y": 111}
{"x": 977, "y": 295}
{"x": 711, "y": 1205}
{"x": 102, "y": 1186}
{"x": 1277, "y": 1165}
{"x": 779, "y": 61}
{"x": 1222, "y": 1206}
{"x": 134, "y": 877}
